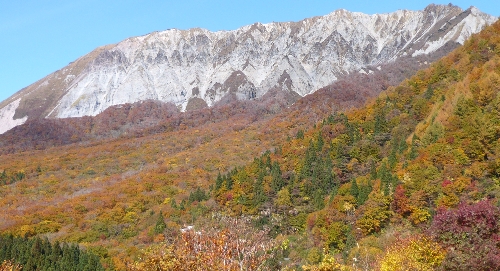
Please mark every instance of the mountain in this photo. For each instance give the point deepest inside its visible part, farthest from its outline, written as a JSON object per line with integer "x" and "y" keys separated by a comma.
{"x": 408, "y": 180}
{"x": 197, "y": 68}
{"x": 150, "y": 117}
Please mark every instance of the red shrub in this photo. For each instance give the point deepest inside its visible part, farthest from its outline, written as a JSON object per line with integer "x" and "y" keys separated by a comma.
{"x": 470, "y": 233}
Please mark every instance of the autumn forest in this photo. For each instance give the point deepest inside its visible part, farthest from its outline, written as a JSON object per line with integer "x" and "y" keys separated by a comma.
{"x": 393, "y": 171}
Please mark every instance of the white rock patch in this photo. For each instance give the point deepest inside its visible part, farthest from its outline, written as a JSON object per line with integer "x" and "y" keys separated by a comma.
{"x": 7, "y": 120}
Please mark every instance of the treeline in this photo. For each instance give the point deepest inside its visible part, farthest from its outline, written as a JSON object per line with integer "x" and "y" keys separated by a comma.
{"x": 40, "y": 254}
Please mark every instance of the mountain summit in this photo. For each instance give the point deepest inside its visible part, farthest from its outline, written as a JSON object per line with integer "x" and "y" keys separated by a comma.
{"x": 196, "y": 66}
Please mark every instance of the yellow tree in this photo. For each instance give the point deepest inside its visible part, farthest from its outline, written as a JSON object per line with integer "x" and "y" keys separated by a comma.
{"x": 10, "y": 266}
{"x": 416, "y": 253}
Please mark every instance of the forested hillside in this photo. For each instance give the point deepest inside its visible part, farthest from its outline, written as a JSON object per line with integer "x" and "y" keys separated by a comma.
{"x": 410, "y": 181}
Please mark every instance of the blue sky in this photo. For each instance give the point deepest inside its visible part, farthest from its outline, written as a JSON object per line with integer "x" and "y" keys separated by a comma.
{"x": 40, "y": 37}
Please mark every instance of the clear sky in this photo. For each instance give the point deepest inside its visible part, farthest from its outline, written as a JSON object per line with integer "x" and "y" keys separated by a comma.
{"x": 40, "y": 37}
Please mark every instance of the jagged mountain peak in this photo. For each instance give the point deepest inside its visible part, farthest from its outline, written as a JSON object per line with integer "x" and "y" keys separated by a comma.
{"x": 177, "y": 66}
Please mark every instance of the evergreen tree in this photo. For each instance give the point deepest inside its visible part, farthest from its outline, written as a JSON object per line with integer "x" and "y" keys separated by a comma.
{"x": 3, "y": 178}
{"x": 333, "y": 193}
{"x": 219, "y": 181}
{"x": 318, "y": 200}
{"x": 160, "y": 224}
{"x": 413, "y": 149}
{"x": 277, "y": 181}
{"x": 300, "y": 134}
{"x": 56, "y": 253}
{"x": 428, "y": 93}
{"x": 354, "y": 189}
{"x": 258, "y": 190}
{"x": 402, "y": 146}
{"x": 363, "y": 193}
{"x": 309, "y": 160}
{"x": 173, "y": 204}
{"x": 392, "y": 159}
{"x": 268, "y": 160}
{"x": 197, "y": 195}
{"x": 229, "y": 181}
{"x": 385, "y": 177}
{"x": 373, "y": 171}
{"x": 319, "y": 142}
{"x": 380, "y": 123}
{"x": 349, "y": 243}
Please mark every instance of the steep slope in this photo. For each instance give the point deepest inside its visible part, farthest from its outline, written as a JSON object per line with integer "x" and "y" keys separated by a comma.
{"x": 37, "y": 100}
{"x": 422, "y": 159}
{"x": 201, "y": 67}
{"x": 153, "y": 117}
{"x": 357, "y": 177}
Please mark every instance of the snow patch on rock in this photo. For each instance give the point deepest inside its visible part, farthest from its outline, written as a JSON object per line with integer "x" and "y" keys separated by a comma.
{"x": 7, "y": 120}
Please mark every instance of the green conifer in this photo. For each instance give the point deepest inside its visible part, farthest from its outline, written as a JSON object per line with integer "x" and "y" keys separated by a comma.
{"x": 160, "y": 224}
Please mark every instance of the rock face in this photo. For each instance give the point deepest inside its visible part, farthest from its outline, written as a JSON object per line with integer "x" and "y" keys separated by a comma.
{"x": 198, "y": 68}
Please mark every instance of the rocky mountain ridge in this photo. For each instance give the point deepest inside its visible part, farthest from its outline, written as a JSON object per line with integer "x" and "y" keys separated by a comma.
{"x": 200, "y": 67}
